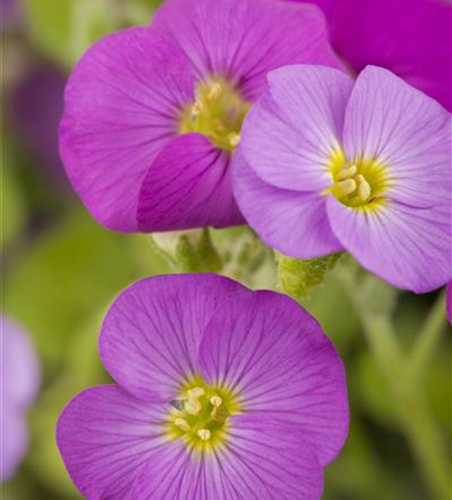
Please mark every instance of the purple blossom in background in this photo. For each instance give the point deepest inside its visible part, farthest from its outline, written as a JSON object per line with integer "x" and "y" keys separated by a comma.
{"x": 20, "y": 379}
{"x": 412, "y": 38}
{"x": 222, "y": 394}
{"x": 36, "y": 109}
{"x": 327, "y": 164}
{"x": 449, "y": 302}
{"x": 153, "y": 116}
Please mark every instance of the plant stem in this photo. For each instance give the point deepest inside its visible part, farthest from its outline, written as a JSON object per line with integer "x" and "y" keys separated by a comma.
{"x": 416, "y": 421}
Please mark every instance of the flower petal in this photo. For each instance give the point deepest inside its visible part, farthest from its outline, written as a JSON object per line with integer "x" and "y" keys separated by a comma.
{"x": 122, "y": 105}
{"x": 293, "y": 222}
{"x": 291, "y": 133}
{"x": 410, "y": 247}
{"x": 150, "y": 336}
{"x": 259, "y": 461}
{"x": 274, "y": 356}
{"x": 105, "y": 436}
{"x": 409, "y": 37}
{"x": 409, "y": 132}
{"x": 245, "y": 39}
{"x": 188, "y": 186}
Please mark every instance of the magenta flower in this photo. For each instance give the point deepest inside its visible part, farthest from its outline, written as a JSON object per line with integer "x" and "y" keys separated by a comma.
{"x": 20, "y": 379}
{"x": 328, "y": 164}
{"x": 412, "y": 38}
{"x": 222, "y": 394}
{"x": 153, "y": 116}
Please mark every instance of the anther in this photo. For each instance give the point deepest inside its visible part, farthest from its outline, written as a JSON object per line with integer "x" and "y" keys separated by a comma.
{"x": 216, "y": 401}
{"x": 364, "y": 190}
{"x": 344, "y": 188}
{"x": 182, "y": 424}
{"x": 196, "y": 109}
{"x": 204, "y": 434}
{"x": 193, "y": 405}
{"x": 234, "y": 140}
{"x": 214, "y": 91}
{"x": 346, "y": 173}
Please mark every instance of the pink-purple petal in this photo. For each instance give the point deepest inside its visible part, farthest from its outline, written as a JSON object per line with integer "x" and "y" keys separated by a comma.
{"x": 105, "y": 437}
{"x": 122, "y": 104}
{"x": 259, "y": 461}
{"x": 408, "y": 246}
{"x": 188, "y": 186}
{"x": 407, "y": 131}
{"x": 150, "y": 336}
{"x": 273, "y": 355}
{"x": 412, "y": 38}
{"x": 245, "y": 39}
{"x": 291, "y": 133}
{"x": 293, "y": 222}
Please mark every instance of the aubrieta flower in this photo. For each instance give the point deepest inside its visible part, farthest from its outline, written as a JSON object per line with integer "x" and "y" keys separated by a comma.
{"x": 411, "y": 38}
{"x": 328, "y": 164}
{"x": 20, "y": 380}
{"x": 223, "y": 394}
{"x": 153, "y": 115}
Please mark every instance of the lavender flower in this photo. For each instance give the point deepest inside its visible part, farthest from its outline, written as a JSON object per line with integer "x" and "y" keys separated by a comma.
{"x": 412, "y": 38}
{"x": 222, "y": 394}
{"x": 20, "y": 377}
{"x": 153, "y": 116}
{"x": 327, "y": 164}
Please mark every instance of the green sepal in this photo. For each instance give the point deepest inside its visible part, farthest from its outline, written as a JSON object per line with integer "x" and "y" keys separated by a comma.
{"x": 297, "y": 277}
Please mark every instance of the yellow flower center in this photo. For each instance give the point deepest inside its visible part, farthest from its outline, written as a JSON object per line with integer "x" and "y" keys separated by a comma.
{"x": 218, "y": 113}
{"x": 360, "y": 183}
{"x": 199, "y": 415}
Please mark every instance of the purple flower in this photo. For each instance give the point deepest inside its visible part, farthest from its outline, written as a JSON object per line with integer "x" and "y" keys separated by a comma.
{"x": 20, "y": 378}
{"x": 153, "y": 116}
{"x": 222, "y": 394}
{"x": 328, "y": 164}
{"x": 412, "y": 38}
{"x": 449, "y": 301}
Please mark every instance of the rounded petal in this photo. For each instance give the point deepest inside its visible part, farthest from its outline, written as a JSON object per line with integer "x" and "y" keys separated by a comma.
{"x": 105, "y": 436}
{"x": 292, "y": 132}
{"x": 246, "y": 39}
{"x": 274, "y": 357}
{"x": 188, "y": 186}
{"x": 14, "y": 439}
{"x": 21, "y": 371}
{"x": 410, "y": 247}
{"x": 408, "y": 132}
{"x": 122, "y": 104}
{"x": 412, "y": 38}
{"x": 293, "y": 222}
{"x": 259, "y": 461}
{"x": 150, "y": 336}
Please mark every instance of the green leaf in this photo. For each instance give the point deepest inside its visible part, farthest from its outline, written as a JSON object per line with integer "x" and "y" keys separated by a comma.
{"x": 12, "y": 208}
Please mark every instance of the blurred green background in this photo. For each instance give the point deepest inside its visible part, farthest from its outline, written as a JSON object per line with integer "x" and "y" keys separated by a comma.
{"x": 61, "y": 271}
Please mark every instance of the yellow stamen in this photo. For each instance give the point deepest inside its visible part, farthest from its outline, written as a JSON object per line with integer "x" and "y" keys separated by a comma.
{"x": 344, "y": 188}
{"x": 204, "y": 434}
{"x": 216, "y": 401}
{"x": 234, "y": 140}
{"x": 346, "y": 173}
{"x": 364, "y": 189}
{"x": 182, "y": 424}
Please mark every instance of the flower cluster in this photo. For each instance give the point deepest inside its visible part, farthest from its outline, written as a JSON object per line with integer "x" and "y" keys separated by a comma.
{"x": 223, "y": 394}
{"x": 226, "y": 112}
